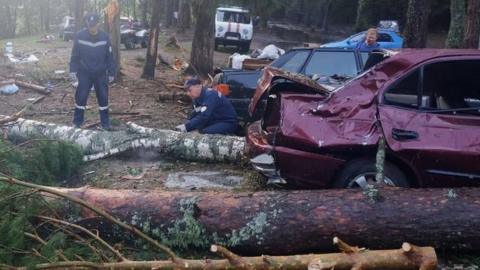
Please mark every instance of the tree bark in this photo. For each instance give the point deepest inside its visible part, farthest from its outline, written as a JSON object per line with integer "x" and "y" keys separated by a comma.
{"x": 268, "y": 222}
{"x": 472, "y": 25}
{"x": 112, "y": 26}
{"x": 101, "y": 144}
{"x": 184, "y": 16}
{"x": 416, "y": 29}
{"x": 169, "y": 9}
{"x": 151, "y": 57}
{"x": 144, "y": 4}
{"x": 201, "y": 58}
{"x": 79, "y": 9}
{"x": 457, "y": 18}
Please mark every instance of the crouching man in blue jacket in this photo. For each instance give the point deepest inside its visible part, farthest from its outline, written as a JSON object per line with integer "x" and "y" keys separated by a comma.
{"x": 92, "y": 64}
{"x": 212, "y": 112}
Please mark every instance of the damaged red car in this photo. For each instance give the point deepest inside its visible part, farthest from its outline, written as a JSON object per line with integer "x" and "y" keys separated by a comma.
{"x": 425, "y": 103}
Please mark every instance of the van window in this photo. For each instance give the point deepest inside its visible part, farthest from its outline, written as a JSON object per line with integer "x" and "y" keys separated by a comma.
{"x": 235, "y": 17}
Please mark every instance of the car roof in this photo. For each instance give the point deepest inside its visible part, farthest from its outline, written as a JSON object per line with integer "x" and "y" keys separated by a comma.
{"x": 414, "y": 56}
{"x": 329, "y": 49}
{"x": 233, "y": 9}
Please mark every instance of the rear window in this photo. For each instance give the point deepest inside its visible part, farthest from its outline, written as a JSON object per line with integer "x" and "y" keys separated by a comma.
{"x": 327, "y": 63}
{"x": 235, "y": 17}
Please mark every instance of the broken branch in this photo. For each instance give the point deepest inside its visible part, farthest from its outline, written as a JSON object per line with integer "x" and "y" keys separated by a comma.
{"x": 97, "y": 210}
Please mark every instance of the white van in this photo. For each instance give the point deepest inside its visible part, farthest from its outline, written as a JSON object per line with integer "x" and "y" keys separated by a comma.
{"x": 233, "y": 26}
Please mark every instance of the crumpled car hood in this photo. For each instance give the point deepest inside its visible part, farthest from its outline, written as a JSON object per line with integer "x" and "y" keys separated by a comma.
{"x": 270, "y": 74}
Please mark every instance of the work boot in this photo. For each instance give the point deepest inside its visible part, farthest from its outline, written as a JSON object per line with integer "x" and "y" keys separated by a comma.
{"x": 104, "y": 119}
{"x": 78, "y": 117}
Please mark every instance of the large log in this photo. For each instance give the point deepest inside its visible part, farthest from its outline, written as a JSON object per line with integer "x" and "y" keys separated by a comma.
{"x": 280, "y": 222}
{"x": 99, "y": 144}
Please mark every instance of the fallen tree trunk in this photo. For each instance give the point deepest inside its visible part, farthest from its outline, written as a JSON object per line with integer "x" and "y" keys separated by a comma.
{"x": 279, "y": 222}
{"x": 100, "y": 144}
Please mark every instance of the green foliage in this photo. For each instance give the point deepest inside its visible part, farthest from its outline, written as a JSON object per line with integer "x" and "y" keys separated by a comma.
{"x": 46, "y": 162}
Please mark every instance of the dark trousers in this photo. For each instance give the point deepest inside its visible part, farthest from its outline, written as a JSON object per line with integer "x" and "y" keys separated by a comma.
{"x": 85, "y": 83}
{"x": 220, "y": 128}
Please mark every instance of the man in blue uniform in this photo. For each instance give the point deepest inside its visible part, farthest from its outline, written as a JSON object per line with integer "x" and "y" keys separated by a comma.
{"x": 212, "y": 112}
{"x": 93, "y": 65}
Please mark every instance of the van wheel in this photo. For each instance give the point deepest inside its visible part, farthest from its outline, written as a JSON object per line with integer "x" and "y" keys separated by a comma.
{"x": 359, "y": 173}
{"x": 216, "y": 46}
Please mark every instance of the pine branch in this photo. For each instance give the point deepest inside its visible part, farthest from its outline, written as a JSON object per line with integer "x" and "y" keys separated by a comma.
{"x": 168, "y": 251}
{"x": 94, "y": 236}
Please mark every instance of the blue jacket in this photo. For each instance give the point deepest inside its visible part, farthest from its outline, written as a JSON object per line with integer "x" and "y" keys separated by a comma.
{"x": 92, "y": 54}
{"x": 209, "y": 108}
{"x": 363, "y": 47}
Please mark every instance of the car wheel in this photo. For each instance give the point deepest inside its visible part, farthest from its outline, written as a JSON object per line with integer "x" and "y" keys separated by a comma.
{"x": 361, "y": 172}
{"x": 245, "y": 47}
{"x": 129, "y": 44}
{"x": 144, "y": 43}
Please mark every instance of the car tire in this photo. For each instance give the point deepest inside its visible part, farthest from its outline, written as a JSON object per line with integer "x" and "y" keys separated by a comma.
{"x": 144, "y": 43}
{"x": 359, "y": 172}
{"x": 129, "y": 44}
{"x": 245, "y": 47}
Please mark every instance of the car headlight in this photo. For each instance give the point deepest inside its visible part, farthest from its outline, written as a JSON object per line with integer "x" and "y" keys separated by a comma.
{"x": 245, "y": 31}
{"x": 220, "y": 29}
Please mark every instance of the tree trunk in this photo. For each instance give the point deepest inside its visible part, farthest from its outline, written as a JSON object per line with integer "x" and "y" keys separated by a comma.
{"x": 267, "y": 222}
{"x": 79, "y": 9}
{"x": 100, "y": 144}
{"x": 151, "y": 57}
{"x": 325, "y": 15}
{"x": 169, "y": 9}
{"x": 416, "y": 29}
{"x": 201, "y": 57}
{"x": 112, "y": 26}
{"x": 184, "y": 16}
{"x": 47, "y": 16}
{"x": 472, "y": 25}
{"x": 457, "y": 17}
{"x": 144, "y": 10}
{"x": 363, "y": 14}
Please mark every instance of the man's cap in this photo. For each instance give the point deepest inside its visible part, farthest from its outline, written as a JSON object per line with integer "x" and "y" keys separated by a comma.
{"x": 191, "y": 82}
{"x": 91, "y": 19}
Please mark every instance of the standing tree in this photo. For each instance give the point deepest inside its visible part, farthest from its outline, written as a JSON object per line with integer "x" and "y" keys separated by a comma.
{"x": 144, "y": 4}
{"x": 457, "y": 17}
{"x": 363, "y": 14}
{"x": 112, "y": 26}
{"x": 201, "y": 58}
{"x": 472, "y": 25}
{"x": 79, "y": 9}
{"x": 184, "y": 16}
{"x": 151, "y": 57}
{"x": 169, "y": 9}
{"x": 416, "y": 29}
{"x": 8, "y": 19}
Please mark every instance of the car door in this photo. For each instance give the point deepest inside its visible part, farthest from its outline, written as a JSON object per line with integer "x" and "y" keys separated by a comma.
{"x": 441, "y": 145}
